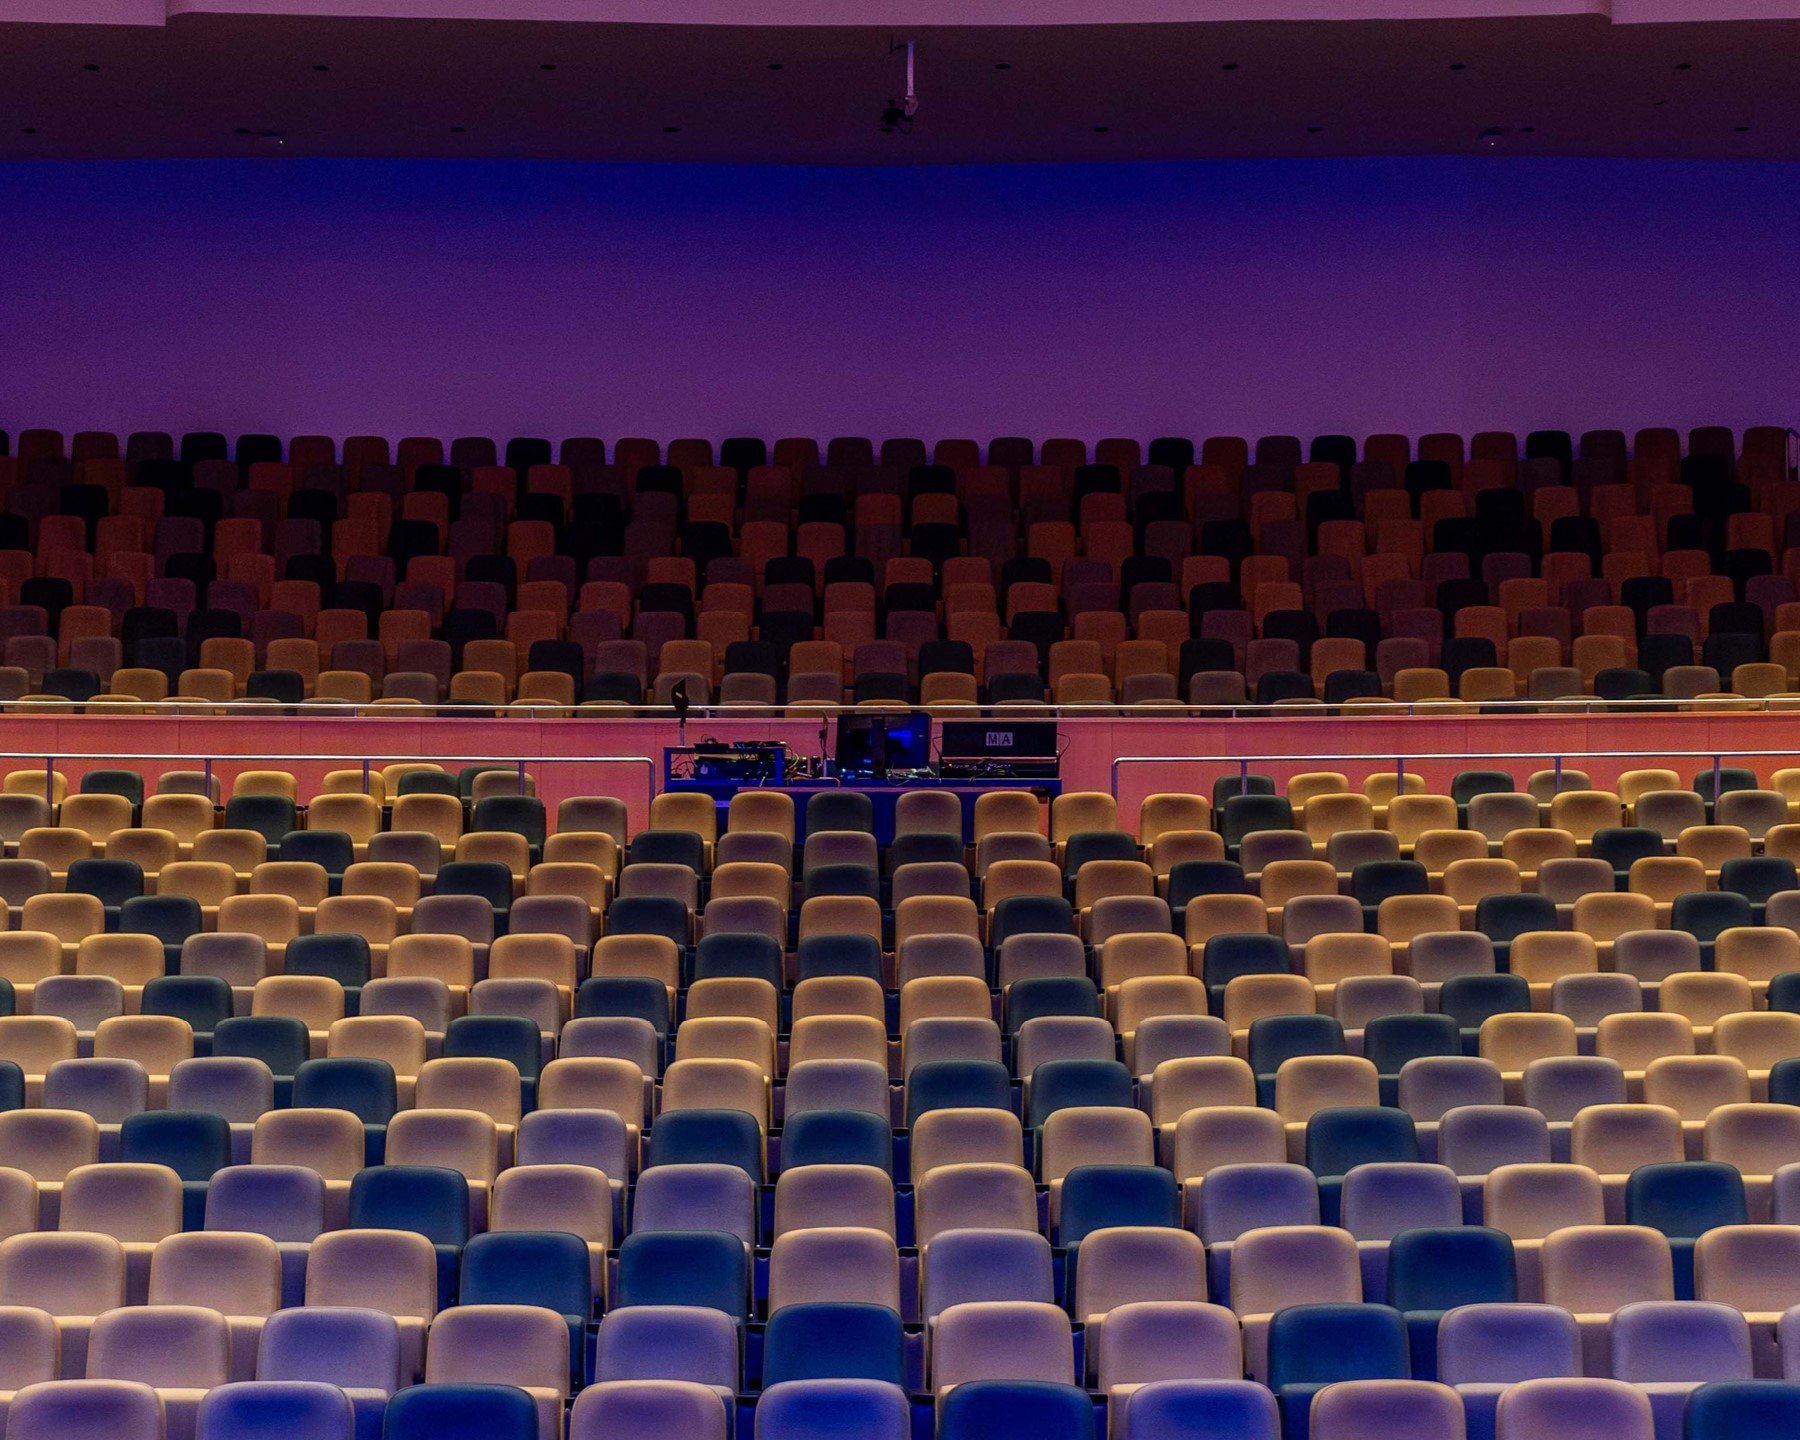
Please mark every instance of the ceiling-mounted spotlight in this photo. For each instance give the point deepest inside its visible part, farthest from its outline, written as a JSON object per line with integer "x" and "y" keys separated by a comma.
{"x": 897, "y": 115}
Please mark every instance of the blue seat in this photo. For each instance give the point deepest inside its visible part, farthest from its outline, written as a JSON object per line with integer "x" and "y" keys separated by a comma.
{"x": 111, "y": 882}
{"x": 194, "y": 1144}
{"x": 1710, "y": 784}
{"x": 517, "y": 814}
{"x": 12, "y": 1085}
{"x": 270, "y": 816}
{"x": 650, "y": 915}
{"x": 1044, "y": 995}
{"x": 546, "y": 1268}
{"x": 1784, "y": 1081}
{"x": 1684, "y": 1200}
{"x": 1467, "y": 784}
{"x": 1757, "y": 878}
{"x": 1193, "y": 878}
{"x": 669, "y": 847}
{"x": 331, "y": 850}
{"x": 1503, "y": 918}
{"x": 1275, "y": 1038}
{"x": 1312, "y": 1346}
{"x": 1088, "y": 845}
{"x": 427, "y": 1199}
{"x": 1243, "y": 815}
{"x": 204, "y": 1001}
{"x": 1622, "y": 846}
{"x": 837, "y": 1137}
{"x": 1435, "y": 1270}
{"x": 638, "y": 997}
{"x": 512, "y": 1038}
{"x": 279, "y": 1041}
{"x": 484, "y": 879}
{"x": 277, "y": 1410}
{"x": 1016, "y": 1410}
{"x": 170, "y": 918}
{"x": 1060, "y": 1084}
{"x": 1784, "y": 994}
{"x": 1339, "y": 1138}
{"x": 830, "y": 1409}
{"x": 818, "y": 955}
{"x": 957, "y": 1085}
{"x": 1228, "y": 786}
{"x": 1227, "y": 957}
{"x": 127, "y": 783}
{"x": 1390, "y": 1041}
{"x": 1030, "y": 915}
{"x": 839, "y": 810}
{"x": 1471, "y": 999}
{"x": 461, "y": 1412}
{"x": 834, "y": 1342}
{"x": 1376, "y": 880}
{"x": 1184, "y": 1409}
{"x": 1098, "y": 1197}
{"x": 367, "y": 1088}
{"x": 740, "y": 957}
{"x": 343, "y": 958}
{"x": 1744, "y": 1410}
{"x": 706, "y": 1268}
{"x": 718, "y": 1137}
{"x": 1705, "y": 914}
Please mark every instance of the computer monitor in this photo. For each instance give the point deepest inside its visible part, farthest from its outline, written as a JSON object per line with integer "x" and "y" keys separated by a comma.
{"x": 872, "y": 747}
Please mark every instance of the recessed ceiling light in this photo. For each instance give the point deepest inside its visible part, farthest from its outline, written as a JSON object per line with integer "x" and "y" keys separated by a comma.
{"x": 1315, "y": 129}
{"x": 546, "y": 67}
{"x": 671, "y": 129}
{"x": 1684, "y": 65}
{"x": 1740, "y": 129}
{"x": 1102, "y": 129}
{"x": 28, "y": 130}
{"x": 776, "y": 65}
{"x": 1528, "y": 129}
{"x": 1458, "y": 65}
{"x": 459, "y": 130}
{"x": 1003, "y": 65}
{"x": 1229, "y": 65}
{"x": 321, "y": 68}
{"x": 90, "y": 67}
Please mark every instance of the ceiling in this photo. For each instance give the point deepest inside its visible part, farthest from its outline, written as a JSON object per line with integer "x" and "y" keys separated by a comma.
{"x": 210, "y": 85}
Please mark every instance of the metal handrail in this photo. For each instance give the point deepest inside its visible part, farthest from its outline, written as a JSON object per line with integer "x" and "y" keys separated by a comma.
{"x": 1400, "y": 762}
{"x": 1446, "y": 707}
{"x": 368, "y": 762}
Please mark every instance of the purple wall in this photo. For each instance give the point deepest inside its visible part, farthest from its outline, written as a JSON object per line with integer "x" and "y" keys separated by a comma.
{"x": 450, "y": 298}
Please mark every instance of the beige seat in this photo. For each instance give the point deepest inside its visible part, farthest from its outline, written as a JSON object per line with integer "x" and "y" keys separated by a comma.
{"x": 1530, "y": 1202}
{"x": 574, "y": 1199}
{"x": 834, "y": 1263}
{"x": 181, "y": 1350}
{"x": 392, "y": 1271}
{"x": 72, "y": 1277}
{"x": 1593, "y": 1270}
{"x": 1754, "y": 1269}
{"x": 47, "y": 1145}
{"x": 233, "y": 1272}
{"x": 1001, "y": 1340}
{"x": 138, "y": 1205}
{"x": 1284, "y": 1265}
{"x": 520, "y": 1345}
{"x": 328, "y": 1142}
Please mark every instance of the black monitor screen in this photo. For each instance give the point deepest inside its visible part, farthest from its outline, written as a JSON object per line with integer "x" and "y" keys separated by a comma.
{"x": 876, "y": 745}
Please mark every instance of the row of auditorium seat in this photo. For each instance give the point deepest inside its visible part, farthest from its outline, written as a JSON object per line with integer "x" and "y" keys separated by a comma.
{"x": 737, "y": 604}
